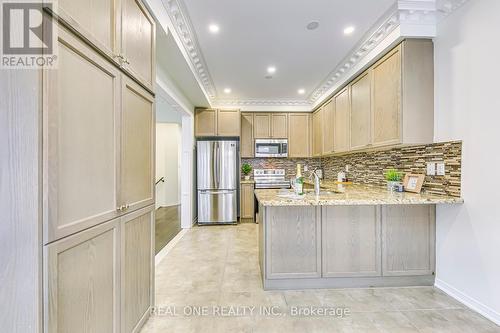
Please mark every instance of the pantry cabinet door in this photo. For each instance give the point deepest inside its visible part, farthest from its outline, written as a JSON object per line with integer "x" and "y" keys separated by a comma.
{"x": 342, "y": 126}
{"x": 387, "y": 99}
{"x": 328, "y": 127}
{"x": 137, "y": 167}
{"x": 247, "y": 142}
{"x": 361, "y": 111}
{"x": 138, "y": 41}
{"x": 96, "y": 20}
{"x": 299, "y": 135}
{"x": 81, "y": 281}
{"x": 81, "y": 103}
{"x": 137, "y": 267}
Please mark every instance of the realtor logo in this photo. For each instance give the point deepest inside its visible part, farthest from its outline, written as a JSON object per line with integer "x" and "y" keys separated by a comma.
{"x": 28, "y": 35}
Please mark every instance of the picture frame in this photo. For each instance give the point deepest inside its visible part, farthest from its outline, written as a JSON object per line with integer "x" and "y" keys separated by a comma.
{"x": 413, "y": 182}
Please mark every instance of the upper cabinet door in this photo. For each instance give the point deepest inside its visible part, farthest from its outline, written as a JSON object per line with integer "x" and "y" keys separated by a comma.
{"x": 97, "y": 20}
{"x": 342, "y": 112}
{"x": 81, "y": 139}
{"x": 228, "y": 122}
{"x": 328, "y": 127}
{"x": 279, "y": 125}
{"x": 138, "y": 41}
{"x": 317, "y": 132}
{"x": 205, "y": 122}
{"x": 361, "y": 111}
{"x": 299, "y": 135}
{"x": 262, "y": 125}
{"x": 246, "y": 145}
{"x": 137, "y": 147}
{"x": 387, "y": 99}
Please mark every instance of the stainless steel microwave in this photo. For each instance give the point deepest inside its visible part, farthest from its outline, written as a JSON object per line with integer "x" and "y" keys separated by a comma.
{"x": 271, "y": 148}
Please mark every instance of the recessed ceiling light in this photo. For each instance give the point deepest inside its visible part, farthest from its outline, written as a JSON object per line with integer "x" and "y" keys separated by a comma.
{"x": 227, "y": 90}
{"x": 271, "y": 69}
{"x": 313, "y": 25}
{"x": 301, "y": 91}
{"x": 348, "y": 30}
{"x": 214, "y": 28}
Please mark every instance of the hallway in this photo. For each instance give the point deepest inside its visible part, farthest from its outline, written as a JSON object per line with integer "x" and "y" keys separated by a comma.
{"x": 167, "y": 225}
{"x": 217, "y": 267}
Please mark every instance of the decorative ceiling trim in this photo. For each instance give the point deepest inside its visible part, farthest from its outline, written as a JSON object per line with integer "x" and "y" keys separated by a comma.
{"x": 446, "y": 7}
{"x": 184, "y": 29}
{"x": 382, "y": 28}
{"x": 262, "y": 102}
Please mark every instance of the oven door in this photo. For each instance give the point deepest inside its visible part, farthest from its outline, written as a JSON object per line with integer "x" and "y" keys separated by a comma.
{"x": 271, "y": 148}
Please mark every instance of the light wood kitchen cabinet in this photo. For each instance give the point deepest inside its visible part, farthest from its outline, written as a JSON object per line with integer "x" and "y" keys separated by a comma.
{"x": 97, "y": 20}
{"x": 279, "y": 125}
{"x": 299, "y": 135}
{"x": 351, "y": 241}
{"x": 247, "y": 201}
{"x": 228, "y": 122}
{"x": 123, "y": 30}
{"x": 247, "y": 140}
{"x": 317, "y": 133}
{"x": 205, "y": 122}
{"x": 408, "y": 238}
{"x": 81, "y": 110}
{"x": 138, "y": 36}
{"x": 82, "y": 286}
{"x": 293, "y": 238}
{"x": 137, "y": 147}
{"x": 361, "y": 111}
{"x": 342, "y": 122}
{"x": 261, "y": 125}
{"x": 137, "y": 262}
{"x": 214, "y": 122}
{"x": 328, "y": 110}
{"x": 403, "y": 95}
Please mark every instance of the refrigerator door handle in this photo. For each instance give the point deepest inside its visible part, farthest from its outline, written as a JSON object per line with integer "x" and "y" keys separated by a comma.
{"x": 217, "y": 169}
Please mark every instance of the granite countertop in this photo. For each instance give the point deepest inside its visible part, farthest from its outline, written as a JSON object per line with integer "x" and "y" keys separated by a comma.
{"x": 355, "y": 194}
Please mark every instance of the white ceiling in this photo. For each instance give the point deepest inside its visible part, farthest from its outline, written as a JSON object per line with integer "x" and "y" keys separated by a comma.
{"x": 258, "y": 33}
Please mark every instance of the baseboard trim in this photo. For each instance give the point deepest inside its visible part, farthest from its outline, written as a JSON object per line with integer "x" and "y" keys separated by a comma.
{"x": 163, "y": 252}
{"x": 468, "y": 301}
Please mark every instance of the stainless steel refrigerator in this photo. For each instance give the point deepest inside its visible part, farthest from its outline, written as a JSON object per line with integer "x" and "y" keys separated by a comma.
{"x": 217, "y": 166}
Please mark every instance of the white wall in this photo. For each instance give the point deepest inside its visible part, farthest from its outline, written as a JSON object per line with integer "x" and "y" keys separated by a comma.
{"x": 467, "y": 107}
{"x": 168, "y": 148}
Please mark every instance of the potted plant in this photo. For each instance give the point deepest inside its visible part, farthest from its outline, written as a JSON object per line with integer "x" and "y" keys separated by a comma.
{"x": 246, "y": 169}
{"x": 393, "y": 178}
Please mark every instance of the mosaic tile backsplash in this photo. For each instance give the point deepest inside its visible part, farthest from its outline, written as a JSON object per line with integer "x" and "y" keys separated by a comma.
{"x": 369, "y": 167}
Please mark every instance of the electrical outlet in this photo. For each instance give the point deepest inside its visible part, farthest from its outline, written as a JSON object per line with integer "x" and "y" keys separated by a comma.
{"x": 431, "y": 169}
{"x": 440, "y": 169}
{"x": 306, "y": 168}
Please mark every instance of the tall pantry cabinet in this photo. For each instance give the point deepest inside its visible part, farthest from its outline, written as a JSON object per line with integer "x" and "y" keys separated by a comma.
{"x": 98, "y": 169}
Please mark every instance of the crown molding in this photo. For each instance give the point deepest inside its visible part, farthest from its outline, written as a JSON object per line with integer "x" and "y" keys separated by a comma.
{"x": 412, "y": 18}
{"x": 184, "y": 29}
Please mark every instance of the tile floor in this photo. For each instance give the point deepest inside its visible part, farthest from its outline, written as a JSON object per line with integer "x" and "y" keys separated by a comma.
{"x": 215, "y": 269}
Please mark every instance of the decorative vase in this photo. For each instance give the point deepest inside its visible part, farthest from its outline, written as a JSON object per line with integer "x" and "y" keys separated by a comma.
{"x": 392, "y": 185}
{"x": 247, "y": 177}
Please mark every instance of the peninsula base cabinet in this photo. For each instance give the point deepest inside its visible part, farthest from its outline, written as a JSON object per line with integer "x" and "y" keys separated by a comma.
{"x": 347, "y": 246}
{"x": 101, "y": 279}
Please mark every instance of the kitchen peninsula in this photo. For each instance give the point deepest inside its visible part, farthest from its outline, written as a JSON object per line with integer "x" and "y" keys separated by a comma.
{"x": 347, "y": 236}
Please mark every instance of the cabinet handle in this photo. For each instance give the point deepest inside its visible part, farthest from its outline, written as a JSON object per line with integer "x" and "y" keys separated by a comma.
{"x": 127, "y": 206}
{"x": 125, "y": 60}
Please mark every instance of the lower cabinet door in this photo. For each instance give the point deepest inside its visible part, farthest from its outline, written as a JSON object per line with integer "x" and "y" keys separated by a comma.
{"x": 351, "y": 241}
{"x": 408, "y": 240}
{"x": 137, "y": 267}
{"x": 293, "y": 243}
{"x": 81, "y": 281}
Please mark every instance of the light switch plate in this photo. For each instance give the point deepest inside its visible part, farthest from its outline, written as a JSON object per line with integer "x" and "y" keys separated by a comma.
{"x": 431, "y": 168}
{"x": 306, "y": 168}
{"x": 440, "y": 170}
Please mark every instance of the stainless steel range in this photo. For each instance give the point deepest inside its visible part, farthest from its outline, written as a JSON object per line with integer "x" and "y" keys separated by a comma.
{"x": 270, "y": 178}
